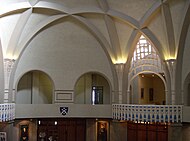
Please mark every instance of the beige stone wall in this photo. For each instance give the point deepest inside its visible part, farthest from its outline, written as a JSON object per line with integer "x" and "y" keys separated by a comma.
{"x": 186, "y": 132}
{"x": 175, "y": 132}
{"x": 118, "y": 131}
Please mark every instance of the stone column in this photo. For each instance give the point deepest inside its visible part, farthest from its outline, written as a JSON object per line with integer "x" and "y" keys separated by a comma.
{"x": 119, "y": 70}
{"x": 175, "y": 132}
{"x": 128, "y": 96}
{"x": 186, "y": 132}
{"x": 8, "y": 66}
{"x": 171, "y": 64}
{"x": 167, "y": 98}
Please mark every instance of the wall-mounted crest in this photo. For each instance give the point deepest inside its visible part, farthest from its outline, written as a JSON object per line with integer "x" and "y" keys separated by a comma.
{"x": 64, "y": 110}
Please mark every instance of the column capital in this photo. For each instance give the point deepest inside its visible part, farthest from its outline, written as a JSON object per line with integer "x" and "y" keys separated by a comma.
{"x": 119, "y": 66}
{"x": 8, "y": 66}
{"x": 170, "y": 61}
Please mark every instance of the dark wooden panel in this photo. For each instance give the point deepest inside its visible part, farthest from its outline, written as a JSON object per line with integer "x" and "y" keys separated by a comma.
{"x": 131, "y": 132}
{"x": 81, "y": 130}
{"x": 141, "y": 132}
{"x": 151, "y": 132}
{"x": 141, "y": 135}
{"x": 62, "y": 133}
{"x": 151, "y": 136}
{"x": 147, "y": 132}
{"x": 162, "y": 136}
{"x": 131, "y": 135}
{"x": 65, "y": 130}
{"x": 71, "y": 130}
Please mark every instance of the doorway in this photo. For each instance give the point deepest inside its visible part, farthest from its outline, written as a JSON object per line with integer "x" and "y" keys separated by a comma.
{"x": 148, "y": 88}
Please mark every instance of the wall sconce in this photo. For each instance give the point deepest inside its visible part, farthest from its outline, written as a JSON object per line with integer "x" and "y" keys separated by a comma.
{"x": 39, "y": 122}
{"x": 55, "y": 122}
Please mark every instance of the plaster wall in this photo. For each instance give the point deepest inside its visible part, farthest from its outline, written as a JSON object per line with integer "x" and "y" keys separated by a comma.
{"x": 186, "y": 58}
{"x": 34, "y": 88}
{"x": 64, "y": 55}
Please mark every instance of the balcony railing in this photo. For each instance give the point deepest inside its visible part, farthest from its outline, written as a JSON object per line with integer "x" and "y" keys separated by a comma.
{"x": 147, "y": 113}
{"x": 7, "y": 112}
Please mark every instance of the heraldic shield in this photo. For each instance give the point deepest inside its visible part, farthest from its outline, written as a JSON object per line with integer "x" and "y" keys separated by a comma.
{"x": 64, "y": 110}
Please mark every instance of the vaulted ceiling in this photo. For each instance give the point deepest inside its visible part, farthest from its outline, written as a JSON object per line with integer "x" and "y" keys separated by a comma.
{"x": 116, "y": 25}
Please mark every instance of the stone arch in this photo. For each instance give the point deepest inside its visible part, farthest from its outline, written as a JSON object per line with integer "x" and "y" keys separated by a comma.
{"x": 89, "y": 82}
{"x": 143, "y": 64}
{"x": 34, "y": 87}
{"x": 144, "y": 82}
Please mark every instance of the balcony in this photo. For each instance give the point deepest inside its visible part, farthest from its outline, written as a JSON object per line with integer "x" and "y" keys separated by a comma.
{"x": 147, "y": 113}
{"x": 23, "y": 111}
{"x": 120, "y": 112}
{"x": 7, "y": 112}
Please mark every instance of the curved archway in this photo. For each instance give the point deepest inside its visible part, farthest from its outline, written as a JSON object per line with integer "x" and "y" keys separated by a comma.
{"x": 148, "y": 58}
{"x": 146, "y": 61}
{"x": 34, "y": 87}
{"x": 148, "y": 88}
{"x": 92, "y": 88}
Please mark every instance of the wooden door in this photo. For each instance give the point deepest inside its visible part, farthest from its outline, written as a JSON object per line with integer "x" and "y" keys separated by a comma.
{"x": 131, "y": 132}
{"x": 151, "y": 132}
{"x": 162, "y": 132}
{"x": 147, "y": 132}
{"x": 64, "y": 130}
{"x": 141, "y": 132}
{"x": 81, "y": 130}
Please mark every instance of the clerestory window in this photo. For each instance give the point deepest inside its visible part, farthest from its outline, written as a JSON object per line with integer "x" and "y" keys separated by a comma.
{"x": 143, "y": 50}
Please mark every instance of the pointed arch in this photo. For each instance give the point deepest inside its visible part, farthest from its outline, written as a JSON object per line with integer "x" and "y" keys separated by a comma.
{"x": 150, "y": 61}
{"x": 180, "y": 50}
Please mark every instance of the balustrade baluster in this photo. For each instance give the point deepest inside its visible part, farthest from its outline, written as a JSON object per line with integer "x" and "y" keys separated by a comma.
{"x": 145, "y": 113}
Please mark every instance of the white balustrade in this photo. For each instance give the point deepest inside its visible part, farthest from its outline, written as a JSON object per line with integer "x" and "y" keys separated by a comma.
{"x": 147, "y": 113}
{"x": 7, "y": 112}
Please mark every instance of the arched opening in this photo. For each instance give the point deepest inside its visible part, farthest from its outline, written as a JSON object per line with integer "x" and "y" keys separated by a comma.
{"x": 34, "y": 87}
{"x": 146, "y": 76}
{"x": 148, "y": 88}
{"x": 92, "y": 88}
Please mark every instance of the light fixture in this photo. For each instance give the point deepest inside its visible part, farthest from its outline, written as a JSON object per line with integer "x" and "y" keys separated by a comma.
{"x": 10, "y": 57}
{"x": 39, "y": 122}
{"x": 119, "y": 60}
{"x": 55, "y": 122}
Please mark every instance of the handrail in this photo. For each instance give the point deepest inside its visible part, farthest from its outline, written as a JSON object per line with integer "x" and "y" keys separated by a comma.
{"x": 147, "y": 113}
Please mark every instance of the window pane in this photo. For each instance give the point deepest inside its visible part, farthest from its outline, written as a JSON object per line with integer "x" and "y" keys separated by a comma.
{"x": 97, "y": 95}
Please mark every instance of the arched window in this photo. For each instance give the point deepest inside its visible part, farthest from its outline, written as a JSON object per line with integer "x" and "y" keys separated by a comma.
{"x": 143, "y": 49}
{"x": 145, "y": 58}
